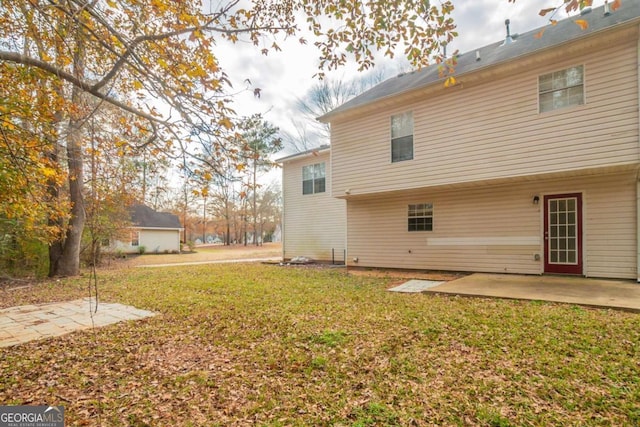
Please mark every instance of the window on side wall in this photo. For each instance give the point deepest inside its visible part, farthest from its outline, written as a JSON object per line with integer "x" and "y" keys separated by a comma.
{"x": 402, "y": 137}
{"x": 135, "y": 238}
{"x": 561, "y": 89}
{"x": 420, "y": 217}
{"x": 313, "y": 179}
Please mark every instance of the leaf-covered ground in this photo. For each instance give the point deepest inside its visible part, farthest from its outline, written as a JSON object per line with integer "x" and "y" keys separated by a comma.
{"x": 280, "y": 346}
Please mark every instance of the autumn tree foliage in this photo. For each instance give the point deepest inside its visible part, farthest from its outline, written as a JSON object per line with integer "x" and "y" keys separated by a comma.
{"x": 64, "y": 60}
{"x": 28, "y": 169}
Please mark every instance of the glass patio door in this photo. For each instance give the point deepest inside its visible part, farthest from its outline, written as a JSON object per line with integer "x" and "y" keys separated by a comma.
{"x": 563, "y": 233}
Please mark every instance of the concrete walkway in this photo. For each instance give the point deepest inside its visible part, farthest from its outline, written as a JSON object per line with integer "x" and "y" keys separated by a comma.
{"x": 218, "y": 261}
{"x": 30, "y": 322}
{"x": 618, "y": 294}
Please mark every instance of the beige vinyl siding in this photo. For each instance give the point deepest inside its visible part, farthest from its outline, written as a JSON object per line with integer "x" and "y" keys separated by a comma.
{"x": 157, "y": 240}
{"x": 494, "y": 130}
{"x": 611, "y": 229}
{"x": 154, "y": 241}
{"x": 314, "y": 224}
{"x": 496, "y": 228}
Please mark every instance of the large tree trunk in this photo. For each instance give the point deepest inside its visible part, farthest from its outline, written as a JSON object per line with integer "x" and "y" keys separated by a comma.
{"x": 54, "y": 221}
{"x": 68, "y": 262}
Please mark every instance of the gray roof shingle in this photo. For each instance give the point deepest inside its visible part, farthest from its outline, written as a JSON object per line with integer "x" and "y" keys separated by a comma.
{"x": 496, "y": 53}
{"x": 145, "y": 217}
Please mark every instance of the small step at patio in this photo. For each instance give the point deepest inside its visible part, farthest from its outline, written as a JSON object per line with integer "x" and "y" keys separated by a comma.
{"x": 415, "y": 286}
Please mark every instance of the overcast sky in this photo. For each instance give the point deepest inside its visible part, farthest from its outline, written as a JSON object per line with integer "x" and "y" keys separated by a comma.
{"x": 284, "y": 76}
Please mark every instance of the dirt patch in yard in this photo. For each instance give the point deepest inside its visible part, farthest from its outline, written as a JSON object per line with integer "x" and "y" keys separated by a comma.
{"x": 398, "y": 276}
{"x": 395, "y": 276}
{"x": 201, "y": 254}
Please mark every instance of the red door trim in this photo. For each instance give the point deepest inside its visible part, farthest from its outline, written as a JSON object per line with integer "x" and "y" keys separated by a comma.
{"x": 563, "y": 268}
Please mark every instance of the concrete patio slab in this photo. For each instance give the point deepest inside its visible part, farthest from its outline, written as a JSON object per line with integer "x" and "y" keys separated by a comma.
{"x": 30, "y": 322}
{"x": 618, "y": 294}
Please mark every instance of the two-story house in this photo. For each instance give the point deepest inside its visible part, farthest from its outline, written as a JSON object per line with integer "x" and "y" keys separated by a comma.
{"x": 530, "y": 163}
{"x": 314, "y": 222}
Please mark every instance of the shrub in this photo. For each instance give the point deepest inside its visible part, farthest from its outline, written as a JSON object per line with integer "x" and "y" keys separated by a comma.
{"x": 23, "y": 257}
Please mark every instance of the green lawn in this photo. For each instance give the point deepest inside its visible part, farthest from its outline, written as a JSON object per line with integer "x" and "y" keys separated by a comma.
{"x": 281, "y": 346}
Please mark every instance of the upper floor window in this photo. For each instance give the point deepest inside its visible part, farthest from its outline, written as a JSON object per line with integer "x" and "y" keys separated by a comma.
{"x": 561, "y": 89}
{"x": 402, "y": 137}
{"x": 420, "y": 217}
{"x": 313, "y": 179}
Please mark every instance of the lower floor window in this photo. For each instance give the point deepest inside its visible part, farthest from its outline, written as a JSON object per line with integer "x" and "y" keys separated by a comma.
{"x": 135, "y": 238}
{"x": 420, "y": 217}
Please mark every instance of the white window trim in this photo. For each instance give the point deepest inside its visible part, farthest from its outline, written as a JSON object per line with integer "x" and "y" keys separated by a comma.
{"x": 312, "y": 165}
{"x": 584, "y": 89}
{"x": 391, "y": 138}
{"x": 432, "y": 216}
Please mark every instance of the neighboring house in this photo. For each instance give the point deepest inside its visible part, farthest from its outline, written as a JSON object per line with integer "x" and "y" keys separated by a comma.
{"x": 151, "y": 232}
{"x": 277, "y": 234}
{"x": 529, "y": 164}
{"x": 313, "y": 221}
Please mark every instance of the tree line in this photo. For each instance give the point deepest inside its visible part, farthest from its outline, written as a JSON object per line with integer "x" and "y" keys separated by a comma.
{"x": 97, "y": 96}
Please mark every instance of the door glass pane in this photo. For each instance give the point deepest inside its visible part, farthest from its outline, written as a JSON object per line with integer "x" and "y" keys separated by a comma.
{"x": 554, "y": 219}
{"x": 562, "y": 205}
{"x": 562, "y": 256}
{"x": 562, "y": 218}
{"x": 554, "y": 256}
{"x": 571, "y": 257}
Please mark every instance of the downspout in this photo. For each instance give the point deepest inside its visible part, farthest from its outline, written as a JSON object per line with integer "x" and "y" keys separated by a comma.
{"x": 345, "y": 249}
{"x": 284, "y": 207}
{"x": 638, "y": 171}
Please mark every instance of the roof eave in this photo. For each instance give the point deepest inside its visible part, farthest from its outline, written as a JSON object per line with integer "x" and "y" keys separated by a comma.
{"x": 303, "y": 154}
